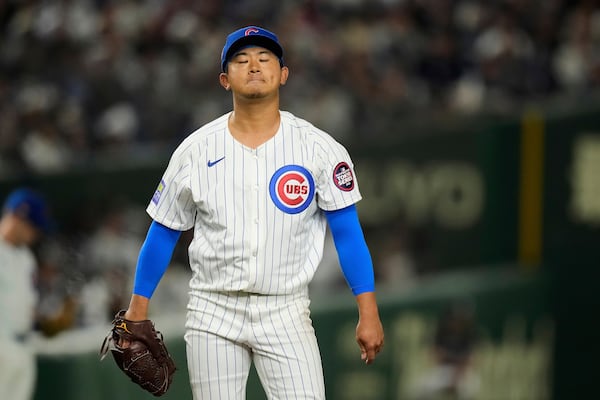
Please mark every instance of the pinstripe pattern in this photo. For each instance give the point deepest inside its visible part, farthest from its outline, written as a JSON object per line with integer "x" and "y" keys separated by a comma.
{"x": 253, "y": 254}
{"x": 274, "y": 331}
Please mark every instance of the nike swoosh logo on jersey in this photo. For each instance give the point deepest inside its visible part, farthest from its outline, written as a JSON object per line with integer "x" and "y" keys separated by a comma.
{"x": 211, "y": 163}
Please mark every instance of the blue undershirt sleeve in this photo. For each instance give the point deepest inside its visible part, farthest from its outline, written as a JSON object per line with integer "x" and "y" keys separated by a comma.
{"x": 353, "y": 253}
{"x": 154, "y": 258}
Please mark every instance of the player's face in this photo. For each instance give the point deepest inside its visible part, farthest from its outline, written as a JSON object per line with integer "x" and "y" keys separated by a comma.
{"x": 23, "y": 232}
{"x": 254, "y": 72}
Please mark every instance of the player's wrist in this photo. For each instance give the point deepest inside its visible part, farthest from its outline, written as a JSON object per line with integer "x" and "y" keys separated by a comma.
{"x": 138, "y": 308}
{"x": 135, "y": 316}
{"x": 367, "y": 305}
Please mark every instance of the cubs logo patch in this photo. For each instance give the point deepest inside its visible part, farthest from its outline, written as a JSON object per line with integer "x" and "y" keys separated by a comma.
{"x": 342, "y": 177}
{"x": 158, "y": 192}
{"x": 292, "y": 189}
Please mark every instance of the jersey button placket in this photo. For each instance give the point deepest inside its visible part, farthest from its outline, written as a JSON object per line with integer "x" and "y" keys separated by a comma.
{"x": 257, "y": 197}
{"x": 253, "y": 187}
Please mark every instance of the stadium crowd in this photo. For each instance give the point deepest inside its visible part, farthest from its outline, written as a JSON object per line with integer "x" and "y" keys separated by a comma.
{"x": 79, "y": 78}
{"x": 83, "y": 80}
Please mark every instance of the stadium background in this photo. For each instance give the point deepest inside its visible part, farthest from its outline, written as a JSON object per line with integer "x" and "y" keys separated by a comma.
{"x": 475, "y": 130}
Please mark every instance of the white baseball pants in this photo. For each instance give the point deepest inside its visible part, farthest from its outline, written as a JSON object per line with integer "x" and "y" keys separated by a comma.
{"x": 226, "y": 332}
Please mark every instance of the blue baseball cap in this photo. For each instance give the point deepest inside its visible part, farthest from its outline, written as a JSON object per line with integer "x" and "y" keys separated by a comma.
{"x": 250, "y": 36}
{"x": 30, "y": 206}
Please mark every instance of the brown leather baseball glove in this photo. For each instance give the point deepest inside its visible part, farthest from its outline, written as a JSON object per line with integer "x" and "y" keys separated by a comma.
{"x": 140, "y": 352}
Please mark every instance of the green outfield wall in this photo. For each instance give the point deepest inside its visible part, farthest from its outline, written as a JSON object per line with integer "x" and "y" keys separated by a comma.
{"x": 515, "y": 339}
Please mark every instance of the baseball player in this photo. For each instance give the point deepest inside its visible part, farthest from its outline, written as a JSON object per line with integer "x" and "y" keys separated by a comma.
{"x": 23, "y": 220}
{"x": 258, "y": 186}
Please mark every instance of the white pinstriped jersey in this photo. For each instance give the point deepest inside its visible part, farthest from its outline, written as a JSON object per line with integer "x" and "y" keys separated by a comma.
{"x": 256, "y": 213}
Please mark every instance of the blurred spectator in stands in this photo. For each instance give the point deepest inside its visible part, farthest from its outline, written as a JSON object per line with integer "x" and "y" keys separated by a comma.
{"x": 117, "y": 127}
{"x": 395, "y": 266}
{"x": 577, "y": 59}
{"x": 451, "y": 375}
{"x": 10, "y": 161}
{"x": 441, "y": 66}
{"x": 131, "y": 75}
{"x": 503, "y": 51}
{"x": 109, "y": 256}
{"x": 541, "y": 80}
{"x": 44, "y": 151}
{"x": 42, "y": 147}
{"x": 25, "y": 217}
{"x": 57, "y": 284}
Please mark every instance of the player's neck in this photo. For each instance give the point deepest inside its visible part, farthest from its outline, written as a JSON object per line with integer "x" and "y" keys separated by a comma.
{"x": 253, "y": 125}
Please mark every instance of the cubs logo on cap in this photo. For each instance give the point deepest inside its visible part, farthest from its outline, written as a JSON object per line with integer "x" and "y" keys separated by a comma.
{"x": 251, "y": 30}
{"x": 248, "y": 36}
{"x": 292, "y": 189}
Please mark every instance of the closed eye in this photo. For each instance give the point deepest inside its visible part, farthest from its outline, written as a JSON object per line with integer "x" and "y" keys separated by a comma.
{"x": 242, "y": 57}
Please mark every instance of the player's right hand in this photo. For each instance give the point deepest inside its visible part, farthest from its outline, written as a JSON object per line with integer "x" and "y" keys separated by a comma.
{"x": 370, "y": 338}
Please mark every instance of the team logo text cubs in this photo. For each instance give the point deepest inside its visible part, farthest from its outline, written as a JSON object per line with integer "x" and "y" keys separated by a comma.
{"x": 292, "y": 188}
{"x": 342, "y": 177}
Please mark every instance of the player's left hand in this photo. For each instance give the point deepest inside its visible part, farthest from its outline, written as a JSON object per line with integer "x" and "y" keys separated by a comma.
{"x": 140, "y": 352}
{"x": 369, "y": 336}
